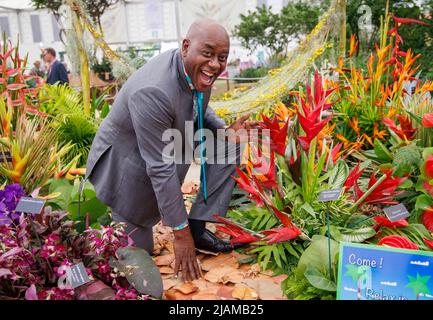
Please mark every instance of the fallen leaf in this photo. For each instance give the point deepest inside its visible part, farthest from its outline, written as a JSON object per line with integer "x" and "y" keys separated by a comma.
{"x": 225, "y": 292}
{"x": 279, "y": 279}
{"x": 220, "y": 260}
{"x": 170, "y": 283}
{"x": 205, "y": 296}
{"x": 201, "y": 284}
{"x": 254, "y": 271}
{"x": 243, "y": 292}
{"x": 164, "y": 260}
{"x": 173, "y": 294}
{"x": 186, "y": 288}
{"x": 266, "y": 288}
{"x": 166, "y": 270}
{"x": 224, "y": 275}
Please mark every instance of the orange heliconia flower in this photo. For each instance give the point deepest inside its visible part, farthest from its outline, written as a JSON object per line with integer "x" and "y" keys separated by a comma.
{"x": 353, "y": 45}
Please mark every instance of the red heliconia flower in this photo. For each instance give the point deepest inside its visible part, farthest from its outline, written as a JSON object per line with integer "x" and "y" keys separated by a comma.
{"x": 384, "y": 192}
{"x": 428, "y": 167}
{"x": 398, "y": 242}
{"x": 283, "y": 217}
{"x": 312, "y": 109}
{"x": 278, "y": 135}
{"x": 427, "y": 120}
{"x": 405, "y": 132}
{"x": 238, "y": 234}
{"x": 250, "y": 186}
{"x": 406, "y": 126}
{"x": 353, "y": 177}
{"x": 335, "y": 152}
{"x": 427, "y": 219}
{"x": 385, "y": 222}
{"x": 277, "y": 235}
{"x": 264, "y": 171}
{"x": 428, "y": 187}
{"x": 428, "y": 242}
{"x": 407, "y": 20}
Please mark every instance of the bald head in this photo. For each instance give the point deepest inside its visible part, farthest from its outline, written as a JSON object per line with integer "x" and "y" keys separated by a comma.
{"x": 201, "y": 28}
{"x": 205, "y": 50}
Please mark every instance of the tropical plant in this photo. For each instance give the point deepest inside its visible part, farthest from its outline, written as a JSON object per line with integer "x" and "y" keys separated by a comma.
{"x": 36, "y": 251}
{"x": 370, "y": 97}
{"x": 79, "y": 201}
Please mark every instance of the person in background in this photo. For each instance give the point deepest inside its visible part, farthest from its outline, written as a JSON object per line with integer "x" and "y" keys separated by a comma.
{"x": 56, "y": 70}
{"x": 37, "y": 70}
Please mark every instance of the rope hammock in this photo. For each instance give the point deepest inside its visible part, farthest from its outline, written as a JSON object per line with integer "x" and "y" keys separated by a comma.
{"x": 271, "y": 89}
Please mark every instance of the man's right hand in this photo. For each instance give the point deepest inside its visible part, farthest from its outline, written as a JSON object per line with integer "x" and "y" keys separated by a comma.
{"x": 185, "y": 258}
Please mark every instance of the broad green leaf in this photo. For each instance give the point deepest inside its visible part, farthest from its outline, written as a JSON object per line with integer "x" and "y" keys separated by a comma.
{"x": 319, "y": 280}
{"x": 316, "y": 255}
{"x": 64, "y": 187}
{"x": 93, "y": 207}
{"x": 423, "y": 202}
{"x": 140, "y": 270}
{"x": 338, "y": 175}
{"x": 357, "y": 235}
{"x": 382, "y": 152}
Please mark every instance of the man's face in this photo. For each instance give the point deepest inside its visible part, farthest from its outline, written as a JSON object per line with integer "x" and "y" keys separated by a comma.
{"x": 48, "y": 57}
{"x": 205, "y": 58}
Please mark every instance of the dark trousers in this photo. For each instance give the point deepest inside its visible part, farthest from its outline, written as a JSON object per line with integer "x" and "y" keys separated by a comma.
{"x": 219, "y": 192}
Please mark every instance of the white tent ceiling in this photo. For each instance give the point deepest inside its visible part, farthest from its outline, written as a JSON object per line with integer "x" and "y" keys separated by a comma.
{"x": 15, "y": 4}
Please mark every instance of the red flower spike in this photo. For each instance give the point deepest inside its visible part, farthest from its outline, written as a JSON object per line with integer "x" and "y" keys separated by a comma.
{"x": 406, "y": 126}
{"x": 428, "y": 167}
{"x": 353, "y": 176}
{"x": 406, "y": 130}
{"x": 309, "y": 119}
{"x": 428, "y": 187}
{"x": 427, "y": 219}
{"x": 384, "y": 192}
{"x": 245, "y": 184}
{"x": 277, "y": 235}
{"x": 427, "y": 120}
{"x": 428, "y": 242}
{"x": 283, "y": 217}
{"x": 238, "y": 234}
{"x": 264, "y": 171}
{"x": 398, "y": 242}
{"x": 385, "y": 222}
{"x": 278, "y": 135}
{"x": 335, "y": 152}
{"x": 406, "y": 20}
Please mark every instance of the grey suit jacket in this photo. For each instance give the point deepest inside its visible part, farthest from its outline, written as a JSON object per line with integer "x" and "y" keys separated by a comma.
{"x": 125, "y": 161}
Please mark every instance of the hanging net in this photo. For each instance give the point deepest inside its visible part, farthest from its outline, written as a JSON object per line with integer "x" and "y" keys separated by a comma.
{"x": 271, "y": 89}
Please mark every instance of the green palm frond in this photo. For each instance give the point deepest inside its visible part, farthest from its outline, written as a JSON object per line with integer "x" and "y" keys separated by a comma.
{"x": 78, "y": 130}
{"x": 60, "y": 100}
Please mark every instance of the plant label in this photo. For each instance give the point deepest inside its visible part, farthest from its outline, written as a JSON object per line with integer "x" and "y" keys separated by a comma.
{"x": 5, "y": 157}
{"x": 369, "y": 272}
{"x": 30, "y": 205}
{"x": 329, "y": 195}
{"x": 396, "y": 212}
{"x": 77, "y": 275}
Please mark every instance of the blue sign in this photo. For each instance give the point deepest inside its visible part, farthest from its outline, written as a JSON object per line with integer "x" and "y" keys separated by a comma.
{"x": 369, "y": 272}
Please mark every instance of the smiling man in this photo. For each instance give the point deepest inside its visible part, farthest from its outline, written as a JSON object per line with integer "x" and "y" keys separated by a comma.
{"x": 127, "y": 162}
